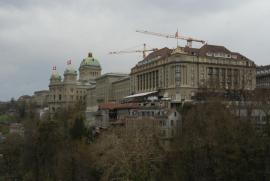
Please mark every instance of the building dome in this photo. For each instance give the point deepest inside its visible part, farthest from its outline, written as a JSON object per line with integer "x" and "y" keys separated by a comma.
{"x": 70, "y": 70}
{"x": 55, "y": 76}
{"x": 90, "y": 61}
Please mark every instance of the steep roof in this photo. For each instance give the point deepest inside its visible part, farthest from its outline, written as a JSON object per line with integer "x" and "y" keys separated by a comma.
{"x": 162, "y": 53}
{"x": 202, "y": 51}
{"x": 214, "y": 49}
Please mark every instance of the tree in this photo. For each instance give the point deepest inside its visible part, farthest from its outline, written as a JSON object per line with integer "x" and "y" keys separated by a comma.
{"x": 78, "y": 129}
{"x": 129, "y": 153}
{"x": 217, "y": 146}
{"x": 12, "y": 154}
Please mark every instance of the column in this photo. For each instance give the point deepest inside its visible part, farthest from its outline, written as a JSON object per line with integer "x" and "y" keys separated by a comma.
{"x": 142, "y": 82}
{"x": 143, "y": 85}
{"x": 147, "y": 81}
{"x": 157, "y": 79}
{"x": 150, "y": 80}
{"x": 226, "y": 79}
{"x": 138, "y": 82}
{"x": 154, "y": 79}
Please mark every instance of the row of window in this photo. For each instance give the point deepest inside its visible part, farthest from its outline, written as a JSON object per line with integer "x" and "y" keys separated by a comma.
{"x": 147, "y": 81}
{"x": 260, "y": 72}
{"x": 163, "y": 123}
{"x": 71, "y": 90}
{"x": 221, "y": 55}
{"x": 181, "y": 75}
{"x": 71, "y": 97}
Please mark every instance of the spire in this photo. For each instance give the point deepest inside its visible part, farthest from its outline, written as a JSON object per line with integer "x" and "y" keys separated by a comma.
{"x": 69, "y": 62}
{"x": 55, "y": 75}
{"x": 69, "y": 65}
{"x": 54, "y": 72}
{"x": 70, "y": 69}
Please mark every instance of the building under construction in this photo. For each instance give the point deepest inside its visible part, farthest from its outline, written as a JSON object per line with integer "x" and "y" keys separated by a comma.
{"x": 179, "y": 73}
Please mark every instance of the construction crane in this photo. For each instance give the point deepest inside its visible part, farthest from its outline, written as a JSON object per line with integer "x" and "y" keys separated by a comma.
{"x": 135, "y": 51}
{"x": 174, "y": 36}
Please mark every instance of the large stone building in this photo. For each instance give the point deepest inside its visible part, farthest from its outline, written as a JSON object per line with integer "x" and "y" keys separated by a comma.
{"x": 67, "y": 92}
{"x": 106, "y": 87}
{"x": 263, "y": 77}
{"x": 179, "y": 73}
{"x": 176, "y": 74}
{"x": 40, "y": 98}
{"x": 121, "y": 89}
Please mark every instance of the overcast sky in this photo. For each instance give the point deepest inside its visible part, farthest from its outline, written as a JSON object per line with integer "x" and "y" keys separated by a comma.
{"x": 38, "y": 34}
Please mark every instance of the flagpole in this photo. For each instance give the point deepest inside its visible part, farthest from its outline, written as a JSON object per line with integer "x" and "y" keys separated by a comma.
{"x": 177, "y": 38}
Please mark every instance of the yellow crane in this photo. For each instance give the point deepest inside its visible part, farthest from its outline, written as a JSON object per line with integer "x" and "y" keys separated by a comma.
{"x": 135, "y": 51}
{"x": 174, "y": 36}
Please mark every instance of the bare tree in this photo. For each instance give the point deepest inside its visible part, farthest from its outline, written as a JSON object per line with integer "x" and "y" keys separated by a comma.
{"x": 129, "y": 153}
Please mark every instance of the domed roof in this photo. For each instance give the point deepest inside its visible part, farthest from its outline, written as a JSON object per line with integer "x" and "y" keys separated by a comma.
{"x": 90, "y": 61}
{"x": 55, "y": 76}
{"x": 70, "y": 70}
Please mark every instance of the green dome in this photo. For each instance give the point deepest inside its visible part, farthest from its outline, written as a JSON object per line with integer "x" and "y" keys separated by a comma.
{"x": 70, "y": 70}
{"x": 90, "y": 61}
{"x": 55, "y": 76}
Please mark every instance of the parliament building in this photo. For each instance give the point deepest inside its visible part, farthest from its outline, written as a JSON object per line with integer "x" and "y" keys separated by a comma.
{"x": 67, "y": 92}
{"x": 174, "y": 74}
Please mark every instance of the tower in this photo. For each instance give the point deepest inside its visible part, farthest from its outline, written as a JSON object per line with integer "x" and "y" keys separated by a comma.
{"x": 89, "y": 69}
{"x": 70, "y": 74}
{"x": 54, "y": 91}
{"x": 55, "y": 77}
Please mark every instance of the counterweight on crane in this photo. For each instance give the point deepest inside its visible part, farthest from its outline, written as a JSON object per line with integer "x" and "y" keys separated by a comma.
{"x": 174, "y": 36}
{"x": 135, "y": 51}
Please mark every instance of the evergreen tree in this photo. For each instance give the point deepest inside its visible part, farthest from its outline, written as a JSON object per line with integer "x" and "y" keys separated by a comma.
{"x": 78, "y": 129}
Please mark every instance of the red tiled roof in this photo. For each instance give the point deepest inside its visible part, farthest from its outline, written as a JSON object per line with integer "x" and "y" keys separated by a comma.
{"x": 161, "y": 52}
{"x": 113, "y": 105}
{"x": 165, "y": 52}
{"x": 192, "y": 51}
{"x": 213, "y": 49}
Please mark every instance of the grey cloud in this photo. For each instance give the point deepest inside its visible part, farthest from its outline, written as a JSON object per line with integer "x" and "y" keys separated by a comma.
{"x": 138, "y": 7}
{"x": 197, "y": 6}
{"x": 37, "y": 34}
